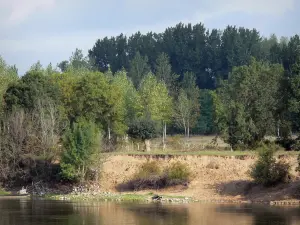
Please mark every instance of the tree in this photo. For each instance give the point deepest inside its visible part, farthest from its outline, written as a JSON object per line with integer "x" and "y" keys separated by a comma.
{"x": 25, "y": 93}
{"x": 95, "y": 99}
{"x": 78, "y": 60}
{"x": 81, "y": 144}
{"x": 143, "y": 129}
{"x": 63, "y": 65}
{"x": 205, "y": 122}
{"x": 245, "y": 105}
{"x": 8, "y": 75}
{"x": 138, "y": 69}
{"x": 163, "y": 73}
{"x": 187, "y": 105}
{"x": 130, "y": 100}
{"x": 156, "y": 102}
{"x": 37, "y": 67}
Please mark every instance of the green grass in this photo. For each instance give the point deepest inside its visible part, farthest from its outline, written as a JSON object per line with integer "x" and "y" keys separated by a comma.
{"x": 3, "y": 192}
{"x": 198, "y": 145}
{"x": 121, "y": 197}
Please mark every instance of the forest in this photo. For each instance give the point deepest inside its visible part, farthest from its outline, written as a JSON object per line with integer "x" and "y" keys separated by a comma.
{"x": 233, "y": 83}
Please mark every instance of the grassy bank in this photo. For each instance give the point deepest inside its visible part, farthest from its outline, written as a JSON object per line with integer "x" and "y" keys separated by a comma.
{"x": 4, "y": 193}
{"x": 118, "y": 197}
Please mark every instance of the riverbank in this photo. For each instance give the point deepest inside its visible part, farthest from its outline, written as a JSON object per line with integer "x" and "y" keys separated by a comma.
{"x": 215, "y": 179}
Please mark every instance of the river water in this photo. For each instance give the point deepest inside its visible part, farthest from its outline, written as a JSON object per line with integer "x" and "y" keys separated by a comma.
{"x": 25, "y": 212}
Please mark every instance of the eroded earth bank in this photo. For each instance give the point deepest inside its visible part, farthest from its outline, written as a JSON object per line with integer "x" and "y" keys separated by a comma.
{"x": 214, "y": 178}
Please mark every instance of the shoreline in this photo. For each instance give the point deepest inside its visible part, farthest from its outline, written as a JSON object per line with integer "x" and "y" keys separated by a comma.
{"x": 147, "y": 198}
{"x": 131, "y": 197}
{"x": 215, "y": 179}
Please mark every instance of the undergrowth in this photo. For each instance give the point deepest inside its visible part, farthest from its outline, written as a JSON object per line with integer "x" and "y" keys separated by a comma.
{"x": 150, "y": 176}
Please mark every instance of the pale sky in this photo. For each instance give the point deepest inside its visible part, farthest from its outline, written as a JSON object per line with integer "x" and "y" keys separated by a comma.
{"x": 50, "y": 30}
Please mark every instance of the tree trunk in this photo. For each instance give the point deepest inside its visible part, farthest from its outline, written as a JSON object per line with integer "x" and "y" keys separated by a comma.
{"x": 165, "y": 134}
{"x": 188, "y": 130}
{"x": 147, "y": 144}
{"x": 108, "y": 131}
{"x": 164, "y": 137}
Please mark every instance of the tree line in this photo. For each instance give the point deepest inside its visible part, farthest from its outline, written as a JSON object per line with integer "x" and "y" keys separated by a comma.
{"x": 233, "y": 83}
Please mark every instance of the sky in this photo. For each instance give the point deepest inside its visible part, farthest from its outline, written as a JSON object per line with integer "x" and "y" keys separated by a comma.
{"x": 50, "y": 30}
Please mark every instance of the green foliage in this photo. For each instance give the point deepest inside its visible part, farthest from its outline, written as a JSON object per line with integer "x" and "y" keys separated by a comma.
{"x": 8, "y": 75}
{"x": 130, "y": 101}
{"x": 155, "y": 100}
{"x": 163, "y": 72}
{"x": 81, "y": 144}
{"x": 205, "y": 122}
{"x": 138, "y": 69}
{"x": 267, "y": 171}
{"x": 143, "y": 129}
{"x": 177, "y": 173}
{"x": 187, "y": 105}
{"x": 31, "y": 88}
{"x": 245, "y": 105}
{"x": 147, "y": 170}
{"x": 150, "y": 176}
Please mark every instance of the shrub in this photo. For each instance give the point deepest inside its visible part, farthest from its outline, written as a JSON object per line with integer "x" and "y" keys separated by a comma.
{"x": 150, "y": 176}
{"x": 212, "y": 165}
{"x": 177, "y": 173}
{"x": 289, "y": 144}
{"x": 81, "y": 147}
{"x": 266, "y": 170}
{"x": 148, "y": 169}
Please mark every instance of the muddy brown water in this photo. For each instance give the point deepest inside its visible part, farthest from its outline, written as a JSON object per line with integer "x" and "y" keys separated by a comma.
{"x": 39, "y": 212}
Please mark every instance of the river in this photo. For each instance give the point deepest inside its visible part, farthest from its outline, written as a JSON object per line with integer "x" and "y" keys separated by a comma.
{"x": 39, "y": 212}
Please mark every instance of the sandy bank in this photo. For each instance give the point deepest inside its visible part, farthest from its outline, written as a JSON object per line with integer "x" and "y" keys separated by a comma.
{"x": 215, "y": 178}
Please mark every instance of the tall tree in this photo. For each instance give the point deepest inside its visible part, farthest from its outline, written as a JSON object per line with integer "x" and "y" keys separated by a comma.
{"x": 187, "y": 104}
{"x": 96, "y": 100}
{"x": 245, "y": 104}
{"x": 163, "y": 72}
{"x": 8, "y": 75}
{"x": 156, "y": 102}
{"x": 138, "y": 69}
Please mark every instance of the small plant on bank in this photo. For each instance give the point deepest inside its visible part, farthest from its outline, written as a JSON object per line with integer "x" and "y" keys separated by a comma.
{"x": 267, "y": 171}
{"x": 148, "y": 169}
{"x": 177, "y": 173}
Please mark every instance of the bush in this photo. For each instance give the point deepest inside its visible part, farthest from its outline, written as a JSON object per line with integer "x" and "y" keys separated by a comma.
{"x": 150, "y": 176}
{"x": 148, "y": 169}
{"x": 267, "y": 171}
{"x": 177, "y": 173}
{"x": 289, "y": 144}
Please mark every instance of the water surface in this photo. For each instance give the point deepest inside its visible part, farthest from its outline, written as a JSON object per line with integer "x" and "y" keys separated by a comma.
{"x": 25, "y": 212}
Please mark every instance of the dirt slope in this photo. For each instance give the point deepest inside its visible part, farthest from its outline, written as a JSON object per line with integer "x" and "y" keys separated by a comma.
{"x": 214, "y": 177}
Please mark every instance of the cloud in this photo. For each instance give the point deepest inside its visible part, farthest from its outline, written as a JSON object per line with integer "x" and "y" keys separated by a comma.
{"x": 17, "y": 11}
{"x": 277, "y": 7}
{"x": 78, "y": 23}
